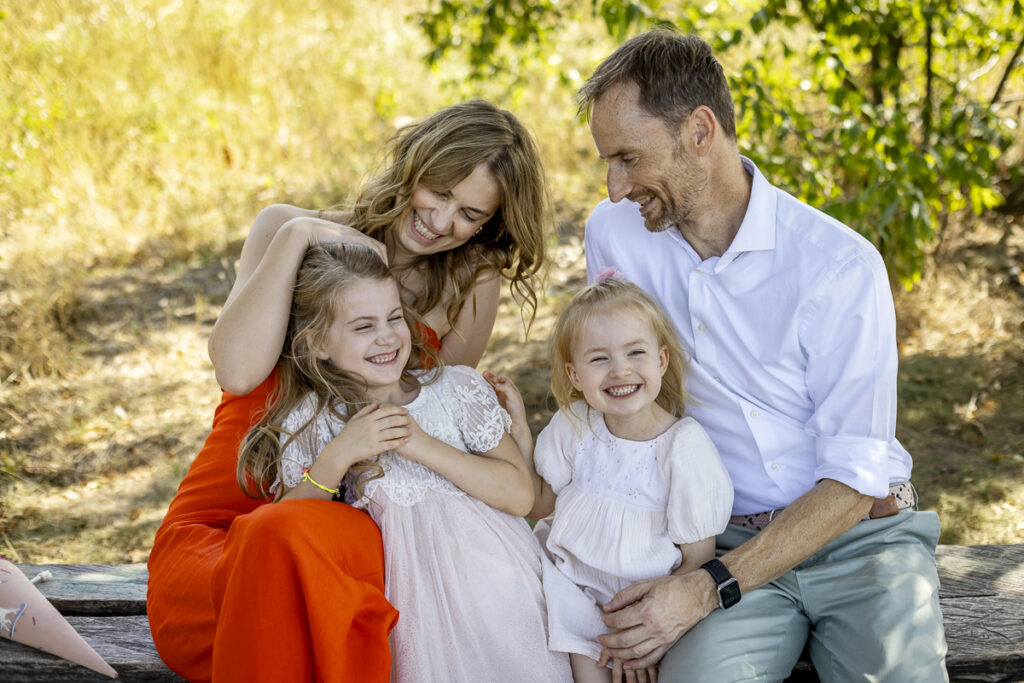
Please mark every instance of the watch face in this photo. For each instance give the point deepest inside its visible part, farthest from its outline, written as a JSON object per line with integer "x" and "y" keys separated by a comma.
{"x": 729, "y": 593}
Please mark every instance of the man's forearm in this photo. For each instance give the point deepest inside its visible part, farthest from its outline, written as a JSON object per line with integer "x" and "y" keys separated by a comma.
{"x": 797, "y": 532}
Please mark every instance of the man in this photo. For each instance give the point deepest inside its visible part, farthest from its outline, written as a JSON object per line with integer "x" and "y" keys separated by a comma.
{"x": 789, "y": 320}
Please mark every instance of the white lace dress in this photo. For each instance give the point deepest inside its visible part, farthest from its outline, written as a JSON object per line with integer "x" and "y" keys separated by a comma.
{"x": 465, "y": 577}
{"x": 622, "y": 508}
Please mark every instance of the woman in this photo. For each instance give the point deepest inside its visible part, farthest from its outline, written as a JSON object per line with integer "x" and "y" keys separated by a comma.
{"x": 242, "y": 590}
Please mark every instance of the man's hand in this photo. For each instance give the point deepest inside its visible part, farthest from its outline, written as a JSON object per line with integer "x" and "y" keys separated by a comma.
{"x": 648, "y": 617}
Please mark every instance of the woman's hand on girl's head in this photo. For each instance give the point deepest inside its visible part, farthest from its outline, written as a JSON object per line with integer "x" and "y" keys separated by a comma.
{"x": 249, "y": 333}
{"x": 323, "y": 231}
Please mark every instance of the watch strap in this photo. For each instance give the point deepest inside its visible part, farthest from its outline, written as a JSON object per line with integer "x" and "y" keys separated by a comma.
{"x": 725, "y": 583}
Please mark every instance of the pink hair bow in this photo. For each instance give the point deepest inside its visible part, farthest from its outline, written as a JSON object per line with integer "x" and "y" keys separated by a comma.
{"x": 611, "y": 272}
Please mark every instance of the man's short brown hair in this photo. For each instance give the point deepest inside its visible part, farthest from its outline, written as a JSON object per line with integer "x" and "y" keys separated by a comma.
{"x": 675, "y": 73}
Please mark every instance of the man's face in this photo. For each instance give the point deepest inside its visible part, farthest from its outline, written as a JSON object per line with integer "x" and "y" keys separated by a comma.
{"x": 647, "y": 163}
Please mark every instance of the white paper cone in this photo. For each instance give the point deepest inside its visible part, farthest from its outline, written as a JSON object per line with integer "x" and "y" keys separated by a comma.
{"x": 26, "y": 616}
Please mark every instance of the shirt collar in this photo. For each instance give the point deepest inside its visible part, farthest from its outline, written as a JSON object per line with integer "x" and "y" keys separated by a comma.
{"x": 757, "y": 231}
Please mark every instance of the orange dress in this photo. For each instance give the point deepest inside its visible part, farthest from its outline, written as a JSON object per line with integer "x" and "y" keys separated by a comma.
{"x": 244, "y": 591}
{"x": 241, "y": 590}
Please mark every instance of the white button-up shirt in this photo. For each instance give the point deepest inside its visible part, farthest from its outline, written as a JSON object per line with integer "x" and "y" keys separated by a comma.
{"x": 792, "y": 334}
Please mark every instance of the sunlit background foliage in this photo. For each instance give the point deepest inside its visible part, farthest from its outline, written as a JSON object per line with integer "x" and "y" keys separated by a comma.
{"x": 889, "y": 114}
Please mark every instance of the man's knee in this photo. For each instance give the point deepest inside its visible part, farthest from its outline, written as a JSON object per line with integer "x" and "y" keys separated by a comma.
{"x": 760, "y": 639}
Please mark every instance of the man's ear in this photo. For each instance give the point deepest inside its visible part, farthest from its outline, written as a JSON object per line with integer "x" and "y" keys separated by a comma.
{"x": 573, "y": 377}
{"x": 703, "y": 127}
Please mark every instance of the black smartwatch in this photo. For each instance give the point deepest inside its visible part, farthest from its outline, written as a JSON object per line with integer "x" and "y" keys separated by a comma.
{"x": 728, "y": 586}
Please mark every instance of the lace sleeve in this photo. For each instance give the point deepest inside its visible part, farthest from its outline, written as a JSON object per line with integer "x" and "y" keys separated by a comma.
{"x": 481, "y": 418}
{"x": 302, "y": 450}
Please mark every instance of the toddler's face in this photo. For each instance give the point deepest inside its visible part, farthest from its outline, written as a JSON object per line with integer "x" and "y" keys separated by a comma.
{"x": 618, "y": 364}
{"x": 369, "y": 336}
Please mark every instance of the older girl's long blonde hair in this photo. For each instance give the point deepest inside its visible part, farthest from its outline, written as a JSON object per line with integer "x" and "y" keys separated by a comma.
{"x": 602, "y": 297}
{"x": 326, "y": 271}
{"x": 439, "y": 152}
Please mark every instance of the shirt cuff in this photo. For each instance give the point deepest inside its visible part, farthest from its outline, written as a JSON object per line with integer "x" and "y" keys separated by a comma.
{"x": 860, "y": 463}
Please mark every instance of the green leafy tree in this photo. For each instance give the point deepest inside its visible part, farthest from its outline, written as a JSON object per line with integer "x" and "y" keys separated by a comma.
{"x": 888, "y": 114}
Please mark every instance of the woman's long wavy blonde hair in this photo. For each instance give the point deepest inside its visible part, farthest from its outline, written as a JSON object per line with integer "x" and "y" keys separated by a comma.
{"x": 439, "y": 152}
{"x": 326, "y": 271}
{"x": 602, "y": 297}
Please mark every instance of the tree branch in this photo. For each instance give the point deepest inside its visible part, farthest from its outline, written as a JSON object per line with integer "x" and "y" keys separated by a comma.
{"x": 1006, "y": 74}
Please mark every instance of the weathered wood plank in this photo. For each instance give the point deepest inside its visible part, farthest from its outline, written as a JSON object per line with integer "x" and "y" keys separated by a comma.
{"x": 87, "y": 590}
{"x": 986, "y": 637}
{"x": 980, "y": 570}
{"x": 124, "y": 642}
{"x": 982, "y": 597}
{"x": 93, "y": 589}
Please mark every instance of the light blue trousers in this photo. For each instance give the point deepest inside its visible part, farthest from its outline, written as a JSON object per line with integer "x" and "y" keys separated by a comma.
{"x": 866, "y": 604}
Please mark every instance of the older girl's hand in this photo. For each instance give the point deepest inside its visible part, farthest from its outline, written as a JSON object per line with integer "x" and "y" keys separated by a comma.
{"x": 371, "y": 431}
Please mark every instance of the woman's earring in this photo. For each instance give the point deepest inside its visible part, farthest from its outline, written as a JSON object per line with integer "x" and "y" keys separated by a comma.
{"x": 479, "y": 230}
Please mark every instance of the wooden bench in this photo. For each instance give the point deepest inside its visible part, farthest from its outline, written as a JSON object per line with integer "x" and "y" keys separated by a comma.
{"x": 982, "y": 600}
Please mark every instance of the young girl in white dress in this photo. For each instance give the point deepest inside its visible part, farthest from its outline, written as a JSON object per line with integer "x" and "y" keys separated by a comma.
{"x": 427, "y": 453}
{"x": 636, "y": 490}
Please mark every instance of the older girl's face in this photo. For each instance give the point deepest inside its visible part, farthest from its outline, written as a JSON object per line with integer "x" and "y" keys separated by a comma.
{"x": 440, "y": 219}
{"x": 369, "y": 336}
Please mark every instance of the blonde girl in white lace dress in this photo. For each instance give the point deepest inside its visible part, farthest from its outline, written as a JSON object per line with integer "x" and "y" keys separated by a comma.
{"x": 428, "y": 454}
{"x": 627, "y": 487}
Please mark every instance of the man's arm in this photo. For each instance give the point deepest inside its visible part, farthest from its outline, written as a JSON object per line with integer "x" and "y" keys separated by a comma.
{"x": 650, "y": 616}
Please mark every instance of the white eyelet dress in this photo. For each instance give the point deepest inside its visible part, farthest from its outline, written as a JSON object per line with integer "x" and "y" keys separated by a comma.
{"x": 465, "y": 577}
{"x": 622, "y": 508}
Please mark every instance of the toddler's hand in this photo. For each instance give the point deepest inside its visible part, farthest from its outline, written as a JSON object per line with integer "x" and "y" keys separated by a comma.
{"x": 508, "y": 396}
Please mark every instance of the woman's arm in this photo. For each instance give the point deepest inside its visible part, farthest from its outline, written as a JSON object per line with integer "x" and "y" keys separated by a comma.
{"x": 249, "y": 333}
{"x": 465, "y": 342}
{"x": 498, "y": 477}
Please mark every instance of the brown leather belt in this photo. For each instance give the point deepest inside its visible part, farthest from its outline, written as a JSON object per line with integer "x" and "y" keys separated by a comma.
{"x": 901, "y": 496}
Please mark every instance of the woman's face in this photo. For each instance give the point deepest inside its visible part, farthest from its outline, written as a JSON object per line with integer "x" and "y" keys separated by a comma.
{"x": 440, "y": 219}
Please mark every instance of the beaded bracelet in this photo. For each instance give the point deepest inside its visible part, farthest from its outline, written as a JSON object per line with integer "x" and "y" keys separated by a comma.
{"x": 314, "y": 482}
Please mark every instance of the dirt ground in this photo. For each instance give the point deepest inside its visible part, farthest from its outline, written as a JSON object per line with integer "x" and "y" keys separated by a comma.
{"x": 90, "y": 460}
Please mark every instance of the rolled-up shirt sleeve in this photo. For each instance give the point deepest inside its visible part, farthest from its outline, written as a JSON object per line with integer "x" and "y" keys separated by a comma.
{"x": 849, "y": 336}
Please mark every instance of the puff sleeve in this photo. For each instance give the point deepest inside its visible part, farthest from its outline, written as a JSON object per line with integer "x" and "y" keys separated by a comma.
{"x": 555, "y": 451}
{"x": 699, "y": 489}
{"x": 481, "y": 418}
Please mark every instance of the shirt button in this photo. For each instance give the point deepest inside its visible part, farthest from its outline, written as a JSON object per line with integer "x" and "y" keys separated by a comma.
{"x": 718, "y": 379}
{"x": 754, "y": 413}
{"x": 702, "y": 328}
{"x": 775, "y": 465}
